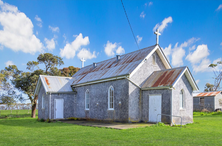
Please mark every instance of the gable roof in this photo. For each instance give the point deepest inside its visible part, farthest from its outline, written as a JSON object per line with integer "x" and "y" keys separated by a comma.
{"x": 110, "y": 68}
{"x": 202, "y": 94}
{"x": 168, "y": 78}
{"x": 54, "y": 84}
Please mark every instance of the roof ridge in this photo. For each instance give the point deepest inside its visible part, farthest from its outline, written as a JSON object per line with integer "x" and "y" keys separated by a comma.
{"x": 122, "y": 55}
{"x": 55, "y": 76}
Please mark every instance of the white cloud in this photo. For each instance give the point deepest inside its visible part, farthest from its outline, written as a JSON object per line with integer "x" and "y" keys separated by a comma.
{"x": 70, "y": 49}
{"x": 120, "y": 50}
{"x": 86, "y": 54}
{"x": 1, "y": 47}
{"x": 178, "y": 52}
{"x": 197, "y": 81}
{"x": 9, "y": 63}
{"x": 203, "y": 66}
{"x": 200, "y": 53}
{"x": 167, "y": 51}
{"x": 139, "y": 39}
{"x": 150, "y": 3}
{"x": 54, "y": 29}
{"x": 163, "y": 25}
{"x": 50, "y": 44}
{"x": 17, "y": 33}
{"x": 142, "y": 15}
{"x": 221, "y": 43}
{"x": 217, "y": 60}
{"x": 219, "y": 7}
{"x": 192, "y": 48}
{"x": 64, "y": 36}
{"x": 37, "y": 18}
{"x": 111, "y": 48}
{"x": 177, "y": 56}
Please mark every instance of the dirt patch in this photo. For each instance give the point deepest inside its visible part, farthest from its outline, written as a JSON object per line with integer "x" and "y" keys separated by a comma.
{"x": 113, "y": 125}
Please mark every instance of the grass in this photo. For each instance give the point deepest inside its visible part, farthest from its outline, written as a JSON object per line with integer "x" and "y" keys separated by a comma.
{"x": 206, "y": 130}
{"x": 16, "y": 113}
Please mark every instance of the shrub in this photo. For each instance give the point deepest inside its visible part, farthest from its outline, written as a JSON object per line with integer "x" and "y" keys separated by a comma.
{"x": 205, "y": 110}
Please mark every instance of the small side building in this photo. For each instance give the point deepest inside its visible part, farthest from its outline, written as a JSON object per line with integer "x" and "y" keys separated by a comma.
{"x": 207, "y": 100}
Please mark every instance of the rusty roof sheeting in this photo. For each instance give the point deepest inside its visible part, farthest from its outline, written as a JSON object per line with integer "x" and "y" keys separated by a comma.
{"x": 112, "y": 68}
{"x": 163, "y": 78}
{"x": 207, "y": 94}
{"x": 56, "y": 84}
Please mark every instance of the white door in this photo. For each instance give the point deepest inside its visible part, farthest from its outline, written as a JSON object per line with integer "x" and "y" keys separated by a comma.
{"x": 155, "y": 108}
{"x": 59, "y": 108}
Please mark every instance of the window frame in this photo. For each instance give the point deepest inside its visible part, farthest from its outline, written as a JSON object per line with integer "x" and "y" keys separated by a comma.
{"x": 87, "y": 92}
{"x": 109, "y": 97}
{"x": 43, "y": 101}
{"x": 154, "y": 59}
{"x": 181, "y": 99}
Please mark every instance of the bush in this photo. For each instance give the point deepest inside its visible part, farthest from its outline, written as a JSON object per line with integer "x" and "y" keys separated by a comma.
{"x": 205, "y": 110}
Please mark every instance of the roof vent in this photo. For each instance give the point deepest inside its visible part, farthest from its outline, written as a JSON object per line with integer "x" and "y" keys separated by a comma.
{"x": 117, "y": 58}
{"x": 94, "y": 65}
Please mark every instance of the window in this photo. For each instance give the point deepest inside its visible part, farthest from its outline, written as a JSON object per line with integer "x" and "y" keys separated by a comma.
{"x": 154, "y": 59}
{"x": 181, "y": 99}
{"x": 87, "y": 100}
{"x": 202, "y": 102}
{"x": 111, "y": 98}
{"x": 43, "y": 102}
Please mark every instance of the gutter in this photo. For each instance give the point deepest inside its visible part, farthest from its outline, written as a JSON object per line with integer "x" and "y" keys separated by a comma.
{"x": 101, "y": 80}
{"x": 161, "y": 87}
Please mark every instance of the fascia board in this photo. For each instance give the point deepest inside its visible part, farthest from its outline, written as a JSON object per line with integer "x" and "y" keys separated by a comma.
{"x": 101, "y": 80}
{"x": 142, "y": 62}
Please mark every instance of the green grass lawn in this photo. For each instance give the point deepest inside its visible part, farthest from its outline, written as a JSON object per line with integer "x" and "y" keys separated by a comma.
{"x": 16, "y": 113}
{"x": 207, "y": 130}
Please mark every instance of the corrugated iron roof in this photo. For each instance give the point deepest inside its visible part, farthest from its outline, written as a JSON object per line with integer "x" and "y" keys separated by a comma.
{"x": 56, "y": 84}
{"x": 163, "y": 78}
{"x": 112, "y": 67}
{"x": 207, "y": 94}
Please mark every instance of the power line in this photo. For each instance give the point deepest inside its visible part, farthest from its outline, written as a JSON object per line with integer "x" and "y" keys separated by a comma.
{"x": 130, "y": 24}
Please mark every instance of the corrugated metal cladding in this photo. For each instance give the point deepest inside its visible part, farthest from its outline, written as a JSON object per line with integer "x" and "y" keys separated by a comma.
{"x": 163, "y": 78}
{"x": 208, "y": 94}
{"x": 112, "y": 67}
{"x": 57, "y": 84}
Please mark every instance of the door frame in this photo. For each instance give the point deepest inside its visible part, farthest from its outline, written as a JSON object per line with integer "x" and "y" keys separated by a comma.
{"x": 62, "y": 108}
{"x": 160, "y": 106}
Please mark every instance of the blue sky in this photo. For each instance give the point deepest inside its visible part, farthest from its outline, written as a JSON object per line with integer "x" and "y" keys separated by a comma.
{"x": 98, "y": 30}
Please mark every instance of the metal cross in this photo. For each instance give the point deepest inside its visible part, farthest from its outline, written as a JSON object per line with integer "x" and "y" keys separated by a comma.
{"x": 157, "y": 35}
{"x": 82, "y": 60}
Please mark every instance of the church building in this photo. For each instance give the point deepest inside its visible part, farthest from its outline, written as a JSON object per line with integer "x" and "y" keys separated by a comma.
{"x": 140, "y": 86}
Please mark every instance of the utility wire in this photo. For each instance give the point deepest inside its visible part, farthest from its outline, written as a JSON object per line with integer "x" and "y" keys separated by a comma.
{"x": 130, "y": 24}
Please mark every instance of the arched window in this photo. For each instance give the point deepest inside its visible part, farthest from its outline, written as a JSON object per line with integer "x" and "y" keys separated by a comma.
{"x": 111, "y": 98}
{"x": 154, "y": 59}
{"x": 181, "y": 99}
{"x": 87, "y": 100}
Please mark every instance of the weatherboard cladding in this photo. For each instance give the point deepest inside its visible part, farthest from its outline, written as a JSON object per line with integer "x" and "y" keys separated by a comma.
{"x": 163, "y": 78}
{"x": 112, "y": 67}
{"x": 56, "y": 84}
{"x": 208, "y": 94}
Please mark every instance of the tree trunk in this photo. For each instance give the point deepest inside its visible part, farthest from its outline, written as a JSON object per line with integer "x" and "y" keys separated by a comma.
{"x": 34, "y": 106}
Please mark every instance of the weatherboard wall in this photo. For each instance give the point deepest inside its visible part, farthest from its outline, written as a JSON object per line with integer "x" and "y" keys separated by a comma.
{"x": 98, "y": 106}
{"x": 218, "y": 101}
{"x": 141, "y": 75}
{"x": 187, "y": 112}
{"x": 68, "y": 107}
{"x": 43, "y": 113}
{"x": 165, "y": 104}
